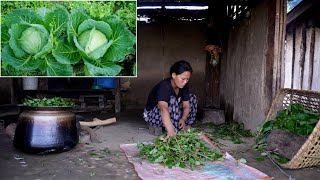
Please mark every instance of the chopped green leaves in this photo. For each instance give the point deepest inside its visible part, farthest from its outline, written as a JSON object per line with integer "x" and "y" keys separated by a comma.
{"x": 56, "y": 102}
{"x": 228, "y": 131}
{"x": 185, "y": 149}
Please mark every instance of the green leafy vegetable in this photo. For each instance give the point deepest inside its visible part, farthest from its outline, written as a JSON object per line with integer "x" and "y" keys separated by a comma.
{"x": 228, "y": 131}
{"x": 186, "y": 149}
{"x": 32, "y": 37}
{"x": 56, "y": 102}
{"x": 54, "y": 42}
{"x": 32, "y": 40}
{"x": 295, "y": 118}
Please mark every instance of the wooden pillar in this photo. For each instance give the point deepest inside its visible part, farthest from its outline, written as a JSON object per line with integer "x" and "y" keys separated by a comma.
{"x": 275, "y": 48}
{"x": 280, "y": 23}
{"x": 216, "y": 35}
{"x": 117, "y": 103}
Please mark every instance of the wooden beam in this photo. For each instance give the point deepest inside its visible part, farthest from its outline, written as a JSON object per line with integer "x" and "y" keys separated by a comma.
{"x": 298, "y": 10}
{"x": 98, "y": 122}
{"x": 190, "y": 3}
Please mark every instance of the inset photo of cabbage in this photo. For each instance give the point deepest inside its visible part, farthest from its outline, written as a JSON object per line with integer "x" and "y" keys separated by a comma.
{"x": 68, "y": 38}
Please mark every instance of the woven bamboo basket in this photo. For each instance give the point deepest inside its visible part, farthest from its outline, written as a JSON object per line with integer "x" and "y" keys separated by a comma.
{"x": 309, "y": 154}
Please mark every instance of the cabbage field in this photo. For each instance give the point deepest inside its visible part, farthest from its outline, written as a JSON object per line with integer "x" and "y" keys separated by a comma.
{"x": 68, "y": 38}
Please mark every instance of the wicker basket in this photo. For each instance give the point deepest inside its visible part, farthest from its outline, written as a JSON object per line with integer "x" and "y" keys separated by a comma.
{"x": 309, "y": 154}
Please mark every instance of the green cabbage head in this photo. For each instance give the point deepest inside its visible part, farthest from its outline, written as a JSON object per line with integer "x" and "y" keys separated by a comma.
{"x": 32, "y": 40}
{"x": 32, "y": 36}
{"x": 93, "y": 38}
{"x": 90, "y": 40}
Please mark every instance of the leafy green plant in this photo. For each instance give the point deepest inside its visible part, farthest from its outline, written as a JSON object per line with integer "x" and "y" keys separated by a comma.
{"x": 54, "y": 42}
{"x": 32, "y": 40}
{"x": 295, "y": 118}
{"x": 229, "y": 131}
{"x": 125, "y": 10}
{"x": 186, "y": 149}
{"x": 99, "y": 43}
{"x": 56, "y": 102}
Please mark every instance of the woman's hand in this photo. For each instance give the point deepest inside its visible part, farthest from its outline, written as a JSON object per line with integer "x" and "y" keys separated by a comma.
{"x": 166, "y": 119}
{"x": 182, "y": 124}
{"x": 170, "y": 133}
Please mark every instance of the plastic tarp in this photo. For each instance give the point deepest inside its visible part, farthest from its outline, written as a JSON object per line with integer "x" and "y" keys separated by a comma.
{"x": 227, "y": 169}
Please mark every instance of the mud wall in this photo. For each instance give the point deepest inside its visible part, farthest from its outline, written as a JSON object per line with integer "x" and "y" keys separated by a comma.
{"x": 159, "y": 46}
{"x": 5, "y": 90}
{"x": 245, "y": 69}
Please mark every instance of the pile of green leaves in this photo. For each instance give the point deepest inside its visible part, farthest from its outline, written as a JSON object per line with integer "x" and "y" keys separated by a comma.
{"x": 63, "y": 42}
{"x": 232, "y": 131}
{"x": 295, "y": 118}
{"x": 54, "y": 102}
{"x": 186, "y": 149}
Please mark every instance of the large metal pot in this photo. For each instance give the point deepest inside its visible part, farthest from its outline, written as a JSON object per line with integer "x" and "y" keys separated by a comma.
{"x": 46, "y": 129}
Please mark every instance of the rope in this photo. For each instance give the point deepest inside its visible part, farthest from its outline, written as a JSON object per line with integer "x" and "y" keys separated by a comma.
{"x": 289, "y": 176}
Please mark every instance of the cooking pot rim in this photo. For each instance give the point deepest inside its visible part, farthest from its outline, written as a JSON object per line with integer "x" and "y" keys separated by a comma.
{"x": 46, "y": 108}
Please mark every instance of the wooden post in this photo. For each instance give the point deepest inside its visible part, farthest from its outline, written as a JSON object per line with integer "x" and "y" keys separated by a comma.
{"x": 117, "y": 103}
{"x": 12, "y": 93}
{"x": 278, "y": 49}
{"x": 216, "y": 35}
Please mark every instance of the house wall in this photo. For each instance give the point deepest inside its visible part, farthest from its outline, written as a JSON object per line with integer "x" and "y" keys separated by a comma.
{"x": 5, "y": 90}
{"x": 246, "y": 69}
{"x": 302, "y": 52}
{"x": 159, "y": 46}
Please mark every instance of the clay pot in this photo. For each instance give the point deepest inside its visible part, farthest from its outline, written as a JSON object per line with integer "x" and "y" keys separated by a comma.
{"x": 46, "y": 129}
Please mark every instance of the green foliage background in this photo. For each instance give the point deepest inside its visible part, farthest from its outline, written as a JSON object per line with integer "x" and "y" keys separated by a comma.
{"x": 125, "y": 10}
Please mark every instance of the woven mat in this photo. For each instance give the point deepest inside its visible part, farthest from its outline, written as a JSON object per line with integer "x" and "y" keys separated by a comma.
{"x": 230, "y": 168}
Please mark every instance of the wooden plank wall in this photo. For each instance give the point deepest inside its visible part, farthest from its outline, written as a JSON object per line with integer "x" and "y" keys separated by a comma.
{"x": 183, "y": 40}
{"x": 302, "y": 57}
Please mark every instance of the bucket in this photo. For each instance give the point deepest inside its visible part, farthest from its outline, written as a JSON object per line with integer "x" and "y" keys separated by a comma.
{"x": 106, "y": 82}
{"x": 30, "y": 83}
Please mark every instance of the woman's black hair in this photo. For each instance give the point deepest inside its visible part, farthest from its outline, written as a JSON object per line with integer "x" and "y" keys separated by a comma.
{"x": 180, "y": 67}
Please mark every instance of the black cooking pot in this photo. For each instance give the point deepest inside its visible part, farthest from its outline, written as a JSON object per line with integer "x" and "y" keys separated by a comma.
{"x": 46, "y": 129}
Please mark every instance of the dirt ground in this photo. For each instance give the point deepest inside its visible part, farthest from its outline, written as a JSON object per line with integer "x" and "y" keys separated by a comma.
{"x": 105, "y": 160}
